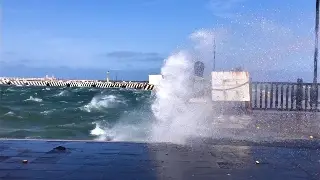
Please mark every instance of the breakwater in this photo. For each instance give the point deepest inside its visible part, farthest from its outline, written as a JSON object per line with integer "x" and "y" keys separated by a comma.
{"x": 78, "y": 83}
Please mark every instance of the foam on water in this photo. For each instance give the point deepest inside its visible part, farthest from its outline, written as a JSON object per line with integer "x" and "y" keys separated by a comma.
{"x": 10, "y": 89}
{"x": 101, "y": 102}
{"x": 31, "y": 98}
{"x": 68, "y": 125}
{"x": 79, "y": 89}
{"x": 122, "y": 131}
{"x": 63, "y": 93}
{"x": 46, "y": 89}
{"x": 98, "y": 131}
{"x": 46, "y": 112}
{"x": 10, "y": 113}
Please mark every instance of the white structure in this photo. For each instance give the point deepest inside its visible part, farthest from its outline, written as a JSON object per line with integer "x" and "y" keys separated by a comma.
{"x": 49, "y": 78}
{"x": 108, "y": 76}
{"x": 155, "y": 79}
{"x": 230, "y": 86}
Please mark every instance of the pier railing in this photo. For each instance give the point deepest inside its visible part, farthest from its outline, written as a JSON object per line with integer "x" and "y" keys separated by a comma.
{"x": 284, "y": 96}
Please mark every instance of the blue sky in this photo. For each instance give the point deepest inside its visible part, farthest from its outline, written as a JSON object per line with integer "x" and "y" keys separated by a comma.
{"x": 84, "y": 39}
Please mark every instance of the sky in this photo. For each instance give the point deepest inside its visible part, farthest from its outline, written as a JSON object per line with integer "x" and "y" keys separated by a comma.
{"x": 274, "y": 40}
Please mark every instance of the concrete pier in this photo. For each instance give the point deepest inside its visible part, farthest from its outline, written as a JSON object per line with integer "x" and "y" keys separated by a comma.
{"x": 76, "y": 83}
{"x": 293, "y": 153}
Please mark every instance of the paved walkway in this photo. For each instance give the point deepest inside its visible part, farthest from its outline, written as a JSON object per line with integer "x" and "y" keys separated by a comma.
{"x": 111, "y": 160}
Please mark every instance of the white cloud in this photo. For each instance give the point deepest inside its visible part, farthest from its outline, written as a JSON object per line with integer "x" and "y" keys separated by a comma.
{"x": 224, "y": 8}
{"x": 38, "y": 49}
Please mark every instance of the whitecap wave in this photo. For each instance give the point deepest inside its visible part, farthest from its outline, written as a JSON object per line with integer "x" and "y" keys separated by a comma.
{"x": 11, "y": 89}
{"x": 10, "y": 113}
{"x": 31, "y": 98}
{"x": 133, "y": 126}
{"x": 97, "y": 131}
{"x": 46, "y": 112}
{"x": 68, "y": 125}
{"x": 101, "y": 102}
{"x": 62, "y": 93}
{"x": 93, "y": 89}
{"x": 33, "y": 137}
{"x": 120, "y": 132}
{"x": 79, "y": 89}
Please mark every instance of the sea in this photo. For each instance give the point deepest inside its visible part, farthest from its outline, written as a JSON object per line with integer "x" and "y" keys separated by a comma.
{"x": 74, "y": 113}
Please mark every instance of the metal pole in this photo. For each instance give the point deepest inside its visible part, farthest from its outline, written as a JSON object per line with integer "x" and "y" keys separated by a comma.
{"x": 214, "y": 54}
{"x": 315, "y": 75}
{"x": 315, "y": 68}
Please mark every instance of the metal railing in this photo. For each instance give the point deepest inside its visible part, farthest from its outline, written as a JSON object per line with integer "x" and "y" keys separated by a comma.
{"x": 284, "y": 96}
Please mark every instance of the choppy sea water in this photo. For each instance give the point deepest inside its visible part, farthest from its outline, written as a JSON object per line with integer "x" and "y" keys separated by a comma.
{"x": 135, "y": 115}
{"x": 73, "y": 113}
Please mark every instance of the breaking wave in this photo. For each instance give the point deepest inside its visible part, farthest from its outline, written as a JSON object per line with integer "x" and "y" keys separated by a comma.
{"x": 31, "y": 98}
{"x": 102, "y": 102}
{"x": 177, "y": 119}
{"x": 10, "y": 113}
{"x": 63, "y": 93}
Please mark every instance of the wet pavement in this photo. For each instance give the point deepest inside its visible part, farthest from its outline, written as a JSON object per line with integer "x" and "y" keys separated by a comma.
{"x": 230, "y": 160}
{"x": 268, "y": 125}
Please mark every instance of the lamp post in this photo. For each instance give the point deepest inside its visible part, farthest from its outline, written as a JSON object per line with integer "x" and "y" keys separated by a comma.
{"x": 314, "y": 98}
